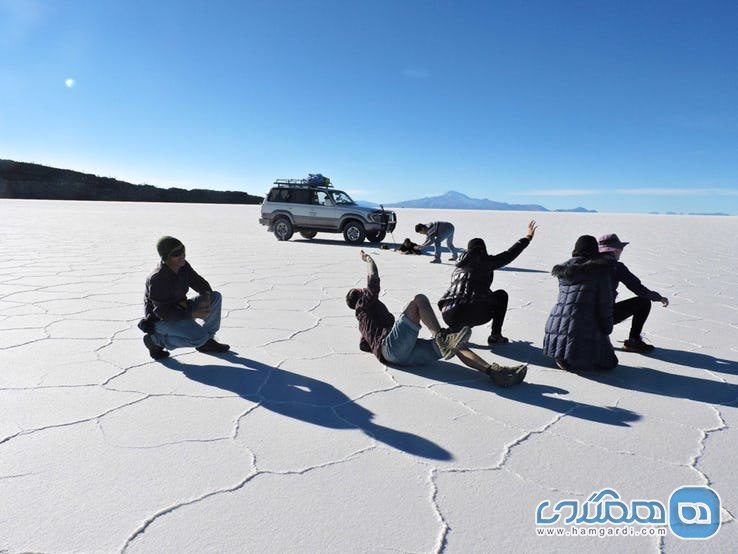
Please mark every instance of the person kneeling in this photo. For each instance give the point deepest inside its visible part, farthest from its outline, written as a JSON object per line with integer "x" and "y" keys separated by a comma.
{"x": 396, "y": 342}
{"x": 578, "y": 328}
{"x": 170, "y": 315}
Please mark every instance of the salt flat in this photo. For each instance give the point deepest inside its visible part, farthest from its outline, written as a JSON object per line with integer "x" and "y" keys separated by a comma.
{"x": 299, "y": 442}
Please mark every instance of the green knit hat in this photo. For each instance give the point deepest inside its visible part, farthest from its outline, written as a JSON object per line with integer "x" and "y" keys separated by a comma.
{"x": 166, "y": 246}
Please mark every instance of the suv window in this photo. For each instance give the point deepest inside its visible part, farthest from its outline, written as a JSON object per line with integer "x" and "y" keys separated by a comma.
{"x": 293, "y": 196}
{"x": 322, "y": 198}
{"x": 340, "y": 197}
{"x": 279, "y": 195}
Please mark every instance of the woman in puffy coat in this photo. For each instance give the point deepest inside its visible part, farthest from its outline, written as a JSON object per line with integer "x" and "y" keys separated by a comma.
{"x": 469, "y": 301}
{"x": 578, "y": 328}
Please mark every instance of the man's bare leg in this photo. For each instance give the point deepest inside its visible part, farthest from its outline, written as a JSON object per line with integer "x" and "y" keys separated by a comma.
{"x": 470, "y": 359}
{"x": 420, "y": 310}
{"x": 502, "y": 376}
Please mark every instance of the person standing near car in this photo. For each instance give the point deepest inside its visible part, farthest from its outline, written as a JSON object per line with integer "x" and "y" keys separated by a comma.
{"x": 436, "y": 232}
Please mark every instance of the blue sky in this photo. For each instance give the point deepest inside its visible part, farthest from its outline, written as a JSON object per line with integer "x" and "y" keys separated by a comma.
{"x": 619, "y": 106}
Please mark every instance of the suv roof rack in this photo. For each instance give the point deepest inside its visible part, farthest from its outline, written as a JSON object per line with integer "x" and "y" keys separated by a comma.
{"x": 313, "y": 181}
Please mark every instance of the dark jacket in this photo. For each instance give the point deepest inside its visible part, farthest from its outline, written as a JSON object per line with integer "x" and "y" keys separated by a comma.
{"x": 472, "y": 278}
{"x": 578, "y": 328}
{"x": 621, "y": 274}
{"x": 375, "y": 320}
{"x": 166, "y": 292}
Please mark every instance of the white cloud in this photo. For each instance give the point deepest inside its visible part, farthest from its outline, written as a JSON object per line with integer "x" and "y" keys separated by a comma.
{"x": 644, "y": 191}
{"x": 678, "y": 192}
{"x": 559, "y": 192}
{"x": 416, "y": 73}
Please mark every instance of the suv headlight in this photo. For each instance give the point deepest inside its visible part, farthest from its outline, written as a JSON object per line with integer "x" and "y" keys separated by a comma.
{"x": 377, "y": 217}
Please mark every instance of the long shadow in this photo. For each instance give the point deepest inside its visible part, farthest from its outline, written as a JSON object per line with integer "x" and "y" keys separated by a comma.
{"x": 521, "y": 270}
{"x": 654, "y": 381}
{"x": 338, "y": 241}
{"x": 695, "y": 359}
{"x": 303, "y": 398}
{"x": 522, "y": 351}
{"x": 646, "y": 379}
{"x": 527, "y": 393}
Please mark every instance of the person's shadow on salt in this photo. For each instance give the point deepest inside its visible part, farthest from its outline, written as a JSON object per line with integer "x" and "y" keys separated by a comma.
{"x": 647, "y": 379}
{"x": 694, "y": 359}
{"x": 300, "y": 397}
{"x": 521, "y": 270}
{"x": 520, "y": 350}
{"x": 527, "y": 393}
{"x": 654, "y": 381}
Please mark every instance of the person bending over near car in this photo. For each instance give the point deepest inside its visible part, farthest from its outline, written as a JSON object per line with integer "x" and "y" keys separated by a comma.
{"x": 469, "y": 300}
{"x": 436, "y": 232}
{"x": 170, "y": 315}
{"x": 579, "y": 326}
{"x": 639, "y": 306}
{"x": 396, "y": 342}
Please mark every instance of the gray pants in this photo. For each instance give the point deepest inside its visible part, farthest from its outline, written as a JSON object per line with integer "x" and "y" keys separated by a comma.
{"x": 183, "y": 333}
{"x": 447, "y": 234}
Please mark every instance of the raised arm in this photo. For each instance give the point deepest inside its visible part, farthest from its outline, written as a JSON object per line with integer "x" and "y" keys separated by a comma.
{"x": 503, "y": 258}
{"x": 371, "y": 267}
{"x": 532, "y": 226}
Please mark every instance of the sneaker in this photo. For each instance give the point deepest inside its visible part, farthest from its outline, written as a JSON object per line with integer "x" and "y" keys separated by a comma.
{"x": 453, "y": 258}
{"x": 561, "y": 363}
{"x": 637, "y": 345}
{"x": 505, "y": 377}
{"x": 213, "y": 346}
{"x": 155, "y": 351}
{"x": 448, "y": 342}
{"x": 497, "y": 338}
{"x": 435, "y": 261}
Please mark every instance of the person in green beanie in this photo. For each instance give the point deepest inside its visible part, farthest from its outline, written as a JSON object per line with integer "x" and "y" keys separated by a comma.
{"x": 170, "y": 315}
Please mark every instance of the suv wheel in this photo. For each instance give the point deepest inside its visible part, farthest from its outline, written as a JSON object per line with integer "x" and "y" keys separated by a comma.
{"x": 354, "y": 232}
{"x": 308, "y": 234}
{"x": 376, "y": 236}
{"x": 283, "y": 229}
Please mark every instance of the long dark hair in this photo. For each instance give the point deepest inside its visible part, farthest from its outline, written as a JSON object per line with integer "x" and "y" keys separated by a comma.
{"x": 585, "y": 247}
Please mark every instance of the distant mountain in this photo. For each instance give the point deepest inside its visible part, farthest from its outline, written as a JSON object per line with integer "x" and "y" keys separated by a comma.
{"x": 453, "y": 200}
{"x": 577, "y": 210}
{"x": 26, "y": 180}
{"x": 366, "y": 204}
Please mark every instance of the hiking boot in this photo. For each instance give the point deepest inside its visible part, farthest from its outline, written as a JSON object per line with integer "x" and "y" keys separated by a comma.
{"x": 561, "y": 363}
{"x": 213, "y": 346}
{"x": 637, "y": 345}
{"x": 436, "y": 261}
{"x": 155, "y": 351}
{"x": 504, "y": 376}
{"x": 497, "y": 338}
{"x": 448, "y": 342}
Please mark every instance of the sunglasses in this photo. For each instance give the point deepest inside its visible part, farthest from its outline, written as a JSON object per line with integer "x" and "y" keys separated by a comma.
{"x": 177, "y": 253}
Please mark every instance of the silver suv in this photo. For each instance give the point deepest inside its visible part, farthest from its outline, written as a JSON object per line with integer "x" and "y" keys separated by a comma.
{"x": 306, "y": 207}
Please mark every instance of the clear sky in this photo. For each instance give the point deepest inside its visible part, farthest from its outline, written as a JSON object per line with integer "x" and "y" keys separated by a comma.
{"x": 618, "y": 106}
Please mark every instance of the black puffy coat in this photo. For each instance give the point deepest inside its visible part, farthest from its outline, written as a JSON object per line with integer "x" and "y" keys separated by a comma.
{"x": 472, "y": 278}
{"x": 578, "y": 328}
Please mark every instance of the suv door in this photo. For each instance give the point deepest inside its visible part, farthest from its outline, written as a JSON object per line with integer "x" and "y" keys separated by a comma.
{"x": 300, "y": 206}
{"x": 322, "y": 211}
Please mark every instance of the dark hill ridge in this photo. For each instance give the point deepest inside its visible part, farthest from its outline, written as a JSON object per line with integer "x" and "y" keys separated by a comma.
{"x": 27, "y": 180}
